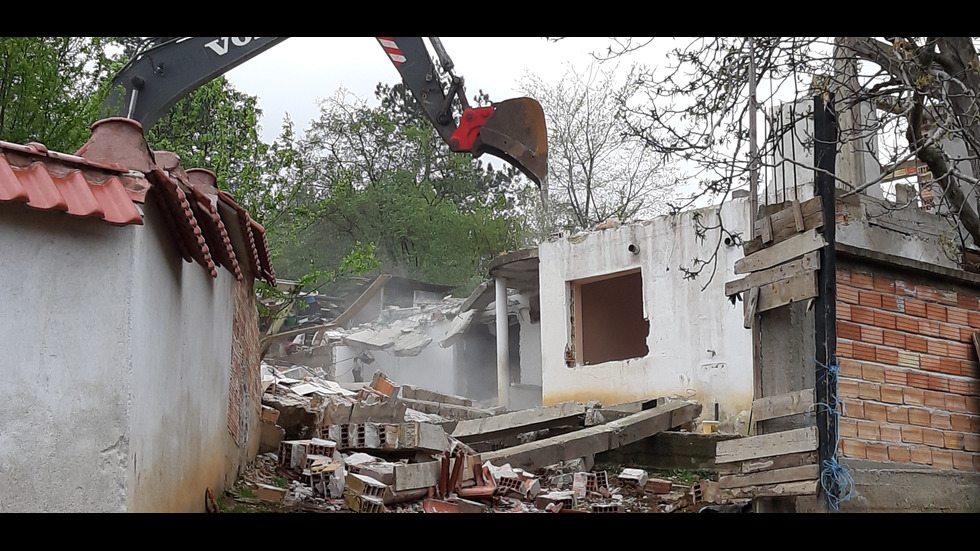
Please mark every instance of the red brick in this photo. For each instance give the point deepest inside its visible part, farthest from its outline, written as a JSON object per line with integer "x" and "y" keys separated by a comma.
{"x": 868, "y": 430}
{"x": 862, "y": 281}
{"x": 863, "y": 351}
{"x": 949, "y": 332}
{"x": 904, "y": 289}
{"x": 975, "y": 319}
{"x": 942, "y": 459}
{"x": 955, "y": 403}
{"x": 847, "y": 388}
{"x": 974, "y": 421}
{"x": 934, "y": 399}
{"x": 920, "y": 454}
{"x": 893, "y": 303}
{"x": 949, "y": 366}
{"x": 918, "y": 380}
{"x": 952, "y": 440}
{"x": 844, "y": 349}
{"x": 847, "y": 428}
{"x": 958, "y": 316}
{"x": 915, "y": 308}
{"x": 964, "y": 388}
{"x": 872, "y": 373}
{"x": 967, "y": 302}
{"x": 894, "y": 376}
{"x": 940, "y": 384}
{"x": 929, "y": 327}
{"x": 874, "y": 412}
{"x": 960, "y": 422}
{"x": 847, "y": 330}
{"x": 871, "y": 335}
{"x": 884, "y": 320}
{"x": 948, "y": 298}
{"x": 892, "y": 394}
{"x": 901, "y": 453}
{"x": 976, "y": 463}
{"x": 912, "y": 434}
{"x": 890, "y": 433}
{"x": 913, "y": 396}
{"x": 893, "y": 338}
{"x": 962, "y": 461}
{"x": 939, "y": 420}
{"x": 933, "y": 437}
{"x": 916, "y": 344}
{"x": 929, "y": 363}
{"x": 843, "y": 311}
{"x": 936, "y": 312}
{"x": 897, "y": 414}
{"x": 926, "y": 292}
{"x": 862, "y": 316}
{"x": 971, "y": 442}
{"x": 868, "y": 391}
{"x": 853, "y": 408}
{"x": 907, "y": 324}
{"x": 853, "y": 448}
{"x": 919, "y": 417}
{"x": 969, "y": 369}
{"x": 847, "y": 294}
{"x": 877, "y": 452}
{"x": 966, "y": 335}
{"x": 960, "y": 350}
{"x": 843, "y": 276}
{"x": 850, "y": 368}
{"x": 939, "y": 348}
{"x": 883, "y": 284}
{"x": 869, "y": 299}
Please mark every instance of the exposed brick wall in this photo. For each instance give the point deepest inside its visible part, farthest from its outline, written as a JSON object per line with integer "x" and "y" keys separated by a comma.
{"x": 908, "y": 369}
{"x": 244, "y": 385}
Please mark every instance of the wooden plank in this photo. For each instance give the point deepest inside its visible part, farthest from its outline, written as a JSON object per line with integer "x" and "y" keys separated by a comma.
{"x": 799, "y": 287}
{"x": 809, "y": 261}
{"x": 766, "y": 233}
{"x": 805, "y": 488}
{"x": 784, "y": 224}
{"x": 782, "y": 405}
{"x": 768, "y": 463}
{"x": 750, "y": 307}
{"x": 776, "y": 476}
{"x": 787, "y": 250}
{"x": 766, "y": 445}
{"x": 798, "y": 216}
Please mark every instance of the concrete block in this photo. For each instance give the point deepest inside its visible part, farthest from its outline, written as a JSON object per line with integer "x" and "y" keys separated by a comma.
{"x": 636, "y": 477}
{"x": 272, "y": 494}
{"x": 362, "y": 485}
{"x": 270, "y": 436}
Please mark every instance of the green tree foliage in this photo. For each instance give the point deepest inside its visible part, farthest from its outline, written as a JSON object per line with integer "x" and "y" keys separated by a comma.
{"x": 50, "y": 88}
{"x": 382, "y": 176}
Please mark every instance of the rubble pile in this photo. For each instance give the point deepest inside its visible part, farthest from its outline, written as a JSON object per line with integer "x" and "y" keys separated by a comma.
{"x": 335, "y": 449}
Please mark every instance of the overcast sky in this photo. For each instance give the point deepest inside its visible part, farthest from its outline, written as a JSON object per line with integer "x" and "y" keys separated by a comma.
{"x": 291, "y": 77}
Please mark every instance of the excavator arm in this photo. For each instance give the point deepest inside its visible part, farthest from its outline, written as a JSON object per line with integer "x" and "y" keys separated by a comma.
{"x": 170, "y": 68}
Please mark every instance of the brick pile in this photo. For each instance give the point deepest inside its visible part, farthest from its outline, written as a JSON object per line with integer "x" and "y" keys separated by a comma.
{"x": 908, "y": 371}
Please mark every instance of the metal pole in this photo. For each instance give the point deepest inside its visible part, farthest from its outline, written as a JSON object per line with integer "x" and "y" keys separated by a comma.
{"x": 753, "y": 151}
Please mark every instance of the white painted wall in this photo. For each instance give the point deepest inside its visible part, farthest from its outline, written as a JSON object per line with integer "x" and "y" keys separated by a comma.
{"x": 115, "y": 367}
{"x": 698, "y": 347}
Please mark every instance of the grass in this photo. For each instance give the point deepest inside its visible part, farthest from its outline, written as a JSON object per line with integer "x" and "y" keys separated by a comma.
{"x": 282, "y": 482}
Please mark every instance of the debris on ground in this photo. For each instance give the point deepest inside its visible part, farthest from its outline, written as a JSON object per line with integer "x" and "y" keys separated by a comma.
{"x": 372, "y": 449}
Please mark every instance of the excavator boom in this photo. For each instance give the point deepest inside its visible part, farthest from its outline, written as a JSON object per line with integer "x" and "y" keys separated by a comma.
{"x": 171, "y": 68}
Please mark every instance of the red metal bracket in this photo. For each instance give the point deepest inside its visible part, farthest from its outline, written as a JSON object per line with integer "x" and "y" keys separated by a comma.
{"x": 469, "y": 128}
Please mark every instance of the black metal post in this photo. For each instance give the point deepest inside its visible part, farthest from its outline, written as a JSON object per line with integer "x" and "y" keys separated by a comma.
{"x": 825, "y": 312}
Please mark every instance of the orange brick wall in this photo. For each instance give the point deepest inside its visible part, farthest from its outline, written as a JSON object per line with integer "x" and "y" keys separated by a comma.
{"x": 908, "y": 370}
{"x": 244, "y": 386}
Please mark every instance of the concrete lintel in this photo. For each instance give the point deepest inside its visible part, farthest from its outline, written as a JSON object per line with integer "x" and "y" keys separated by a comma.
{"x": 520, "y": 421}
{"x": 959, "y": 276}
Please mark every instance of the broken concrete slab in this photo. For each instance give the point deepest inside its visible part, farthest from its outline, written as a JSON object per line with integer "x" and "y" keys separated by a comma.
{"x": 589, "y": 441}
{"x": 448, "y": 410}
{"x": 505, "y": 424}
{"x": 413, "y": 392}
{"x": 270, "y": 436}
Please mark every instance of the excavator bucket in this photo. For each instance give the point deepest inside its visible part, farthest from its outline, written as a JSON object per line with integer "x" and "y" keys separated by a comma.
{"x": 516, "y": 133}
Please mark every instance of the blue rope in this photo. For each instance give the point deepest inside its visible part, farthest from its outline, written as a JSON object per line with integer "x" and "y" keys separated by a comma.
{"x": 833, "y": 474}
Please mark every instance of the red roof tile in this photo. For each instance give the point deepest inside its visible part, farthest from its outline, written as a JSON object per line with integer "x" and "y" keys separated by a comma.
{"x": 114, "y": 170}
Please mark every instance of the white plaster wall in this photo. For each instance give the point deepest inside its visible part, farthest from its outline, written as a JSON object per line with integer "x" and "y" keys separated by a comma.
{"x": 698, "y": 347}
{"x": 65, "y": 361}
{"x": 182, "y": 333}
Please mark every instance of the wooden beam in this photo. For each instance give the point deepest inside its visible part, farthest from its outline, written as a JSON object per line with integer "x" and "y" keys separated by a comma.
{"x": 798, "y": 216}
{"x": 809, "y": 261}
{"x": 805, "y": 488}
{"x": 781, "y": 252}
{"x": 768, "y": 463}
{"x": 766, "y": 445}
{"x": 750, "y": 308}
{"x": 791, "y": 474}
{"x": 784, "y": 224}
{"x": 799, "y": 287}
{"x": 782, "y": 405}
